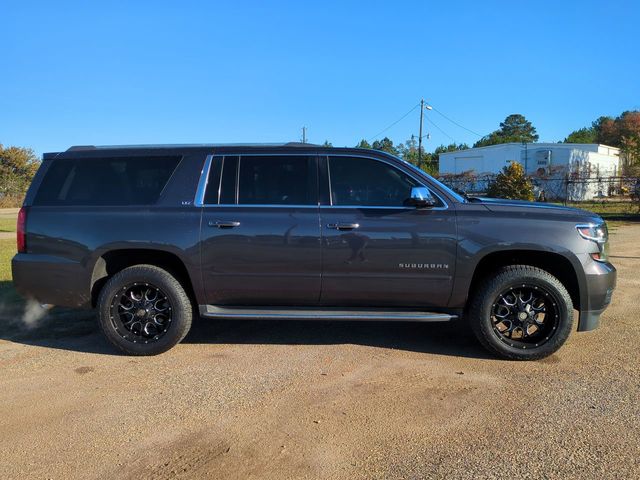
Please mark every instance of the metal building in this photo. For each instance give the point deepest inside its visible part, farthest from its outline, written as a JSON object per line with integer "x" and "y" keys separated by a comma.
{"x": 575, "y": 171}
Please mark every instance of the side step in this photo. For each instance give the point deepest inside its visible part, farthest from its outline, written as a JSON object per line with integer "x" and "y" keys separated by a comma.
{"x": 312, "y": 313}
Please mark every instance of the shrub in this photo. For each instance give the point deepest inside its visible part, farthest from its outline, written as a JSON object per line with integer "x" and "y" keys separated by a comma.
{"x": 511, "y": 183}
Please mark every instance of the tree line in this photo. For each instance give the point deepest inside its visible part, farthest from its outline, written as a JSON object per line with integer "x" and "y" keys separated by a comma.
{"x": 18, "y": 165}
{"x": 622, "y": 132}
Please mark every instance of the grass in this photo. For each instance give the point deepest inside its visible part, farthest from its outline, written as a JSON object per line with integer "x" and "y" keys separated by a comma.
{"x": 7, "y": 224}
{"x": 608, "y": 209}
{"x": 10, "y": 301}
{"x": 7, "y": 251}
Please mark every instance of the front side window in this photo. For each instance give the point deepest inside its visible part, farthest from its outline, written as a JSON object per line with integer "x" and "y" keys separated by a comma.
{"x": 368, "y": 182}
{"x": 277, "y": 180}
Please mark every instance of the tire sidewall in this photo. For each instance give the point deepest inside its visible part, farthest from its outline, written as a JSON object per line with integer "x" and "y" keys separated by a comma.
{"x": 507, "y": 279}
{"x": 181, "y": 310}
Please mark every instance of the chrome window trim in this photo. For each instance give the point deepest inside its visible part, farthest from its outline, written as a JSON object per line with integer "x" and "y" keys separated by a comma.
{"x": 204, "y": 178}
{"x": 202, "y": 183}
{"x": 329, "y": 182}
{"x": 240, "y": 155}
{"x": 420, "y": 182}
{"x": 237, "y": 192}
{"x": 381, "y": 207}
{"x": 220, "y": 180}
{"x": 249, "y": 205}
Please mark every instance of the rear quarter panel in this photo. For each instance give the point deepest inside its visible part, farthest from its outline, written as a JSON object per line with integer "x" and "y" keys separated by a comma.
{"x": 64, "y": 242}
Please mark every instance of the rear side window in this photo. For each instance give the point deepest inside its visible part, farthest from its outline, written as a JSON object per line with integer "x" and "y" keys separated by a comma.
{"x": 277, "y": 180}
{"x": 267, "y": 180}
{"x": 106, "y": 181}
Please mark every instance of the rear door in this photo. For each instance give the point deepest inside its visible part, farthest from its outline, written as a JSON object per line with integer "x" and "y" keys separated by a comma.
{"x": 376, "y": 251}
{"x": 260, "y": 232}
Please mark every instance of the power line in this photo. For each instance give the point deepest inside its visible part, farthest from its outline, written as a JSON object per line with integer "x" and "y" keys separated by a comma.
{"x": 456, "y": 123}
{"x": 441, "y": 130}
{"x": 396, "y": 122}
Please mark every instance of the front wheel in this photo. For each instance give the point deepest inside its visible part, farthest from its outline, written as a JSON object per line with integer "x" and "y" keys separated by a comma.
{"x": 144, "y": 310}
{"x": 521, "y": 313}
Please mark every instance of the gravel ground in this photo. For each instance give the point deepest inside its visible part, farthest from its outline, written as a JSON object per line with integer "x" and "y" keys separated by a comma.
{"x": 323, "y": 400}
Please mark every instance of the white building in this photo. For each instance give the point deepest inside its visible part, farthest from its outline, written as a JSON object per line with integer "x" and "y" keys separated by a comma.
{"x": 588, "y": 167}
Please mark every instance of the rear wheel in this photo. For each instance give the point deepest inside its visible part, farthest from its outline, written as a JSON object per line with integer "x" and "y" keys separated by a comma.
{"x": 521, "y": 313}
{"x": 144, "y": 310}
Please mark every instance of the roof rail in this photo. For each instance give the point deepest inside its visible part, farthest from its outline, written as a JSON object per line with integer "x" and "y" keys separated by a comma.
{"x": 81, "y": 147}
{"x": 78, "y": 148}
{"x": 301, "y": 144}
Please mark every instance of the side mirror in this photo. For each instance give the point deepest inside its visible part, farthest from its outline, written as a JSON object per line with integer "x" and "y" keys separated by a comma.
{"x": 420, "y": 198}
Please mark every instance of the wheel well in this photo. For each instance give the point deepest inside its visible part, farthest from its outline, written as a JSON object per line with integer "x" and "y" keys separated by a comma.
{"x": 554, "y": 263}
{"x": 116, "y": 260}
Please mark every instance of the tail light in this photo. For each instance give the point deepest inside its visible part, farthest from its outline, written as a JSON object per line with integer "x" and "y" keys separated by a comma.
{"x": 21, "y": 230}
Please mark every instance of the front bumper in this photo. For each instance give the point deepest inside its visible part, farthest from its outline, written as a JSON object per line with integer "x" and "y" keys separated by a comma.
{"x": 600, "y": 282}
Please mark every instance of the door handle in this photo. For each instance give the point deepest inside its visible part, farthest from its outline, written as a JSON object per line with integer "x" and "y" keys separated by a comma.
{"x": 223, "y": 224}
{"x": 343, "y": 226}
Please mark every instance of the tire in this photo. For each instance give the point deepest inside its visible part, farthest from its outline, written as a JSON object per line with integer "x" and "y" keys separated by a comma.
{"x": 496, "y": 313}
{"x": 144, "y": 310}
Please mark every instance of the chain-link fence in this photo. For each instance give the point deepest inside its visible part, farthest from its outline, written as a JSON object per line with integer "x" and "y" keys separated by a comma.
{"x": 613, "y": 195}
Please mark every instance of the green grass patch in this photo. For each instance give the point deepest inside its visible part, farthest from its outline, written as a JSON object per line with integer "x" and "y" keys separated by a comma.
{"x": 7, "y": 251}
{"x": 608, "y": 208}
{"x": 7, "y": 224}
{"x": 11, "y": 303}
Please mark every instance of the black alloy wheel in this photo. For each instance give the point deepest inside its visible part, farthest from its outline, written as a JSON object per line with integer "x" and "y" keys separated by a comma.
{"x": 141, "y": 312}
{"x": 525, "y": 316}
{"x": 521, "y": 312}
{"x": 144, "y": 310}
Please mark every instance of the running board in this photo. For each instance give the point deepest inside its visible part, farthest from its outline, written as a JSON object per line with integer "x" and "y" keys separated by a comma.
{"x": 301, "y": 313}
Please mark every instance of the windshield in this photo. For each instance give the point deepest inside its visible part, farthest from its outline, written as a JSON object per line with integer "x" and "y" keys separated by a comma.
{"x": 451, "y": 192}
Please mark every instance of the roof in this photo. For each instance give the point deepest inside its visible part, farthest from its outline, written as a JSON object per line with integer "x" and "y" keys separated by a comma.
{"x": 93, "y": 151}
{"x": 77, "y": 148}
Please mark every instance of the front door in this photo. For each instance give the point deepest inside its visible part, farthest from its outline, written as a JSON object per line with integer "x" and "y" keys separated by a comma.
{"x": 260, "y": 234}
{"x": 376, "y": 251}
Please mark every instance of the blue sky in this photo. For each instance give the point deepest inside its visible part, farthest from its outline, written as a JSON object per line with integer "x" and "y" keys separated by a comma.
{"x": 250, "y": 71}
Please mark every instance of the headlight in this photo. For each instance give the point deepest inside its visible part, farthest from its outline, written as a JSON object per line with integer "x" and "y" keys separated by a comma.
{"x": 596, "y": 233}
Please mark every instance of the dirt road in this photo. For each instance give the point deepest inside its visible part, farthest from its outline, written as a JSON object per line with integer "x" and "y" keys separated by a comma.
{"x": 323, "y": 400}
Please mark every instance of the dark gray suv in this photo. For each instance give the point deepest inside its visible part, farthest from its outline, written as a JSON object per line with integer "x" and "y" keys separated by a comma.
{"x": 150, "y": 235}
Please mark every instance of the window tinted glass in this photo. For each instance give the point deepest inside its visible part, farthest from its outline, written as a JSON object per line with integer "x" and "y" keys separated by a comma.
{"x": 213, "y": 182}
{"x": 367, "y": 182}
{"x": 105, "y": 181}
{"x": 229, "y": 177}
{"x": 273, "y": 180}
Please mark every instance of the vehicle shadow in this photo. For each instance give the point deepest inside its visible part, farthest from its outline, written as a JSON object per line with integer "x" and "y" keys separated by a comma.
{"x": 77, "y": 330}
{"x": 446, "y": 338}
{"x": 67, "y": 329}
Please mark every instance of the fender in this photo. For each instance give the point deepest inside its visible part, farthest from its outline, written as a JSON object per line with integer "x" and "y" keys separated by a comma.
{"x": 549, "y": 257}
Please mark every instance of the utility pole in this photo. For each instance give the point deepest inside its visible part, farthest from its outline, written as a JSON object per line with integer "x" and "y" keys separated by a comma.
{"x": 423, "y": 106}
{"x": 420, "y": 133}
{"x": 304, "y": 134}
